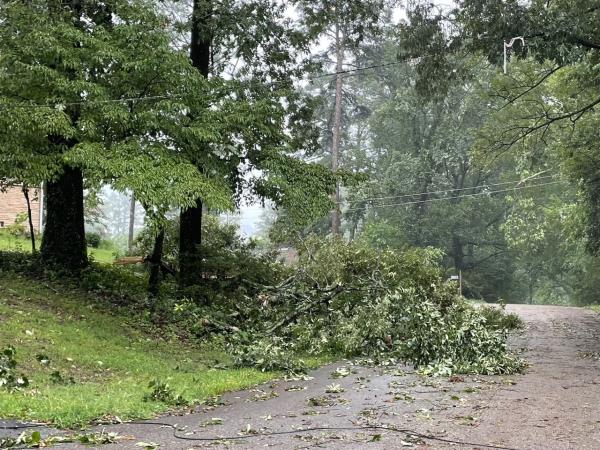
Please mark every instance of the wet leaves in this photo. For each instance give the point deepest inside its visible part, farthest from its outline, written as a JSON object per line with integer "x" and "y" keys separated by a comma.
{"x": 341, "y": 372}
{"x": 334, "y": 388}
{"x": 260, "y": 395}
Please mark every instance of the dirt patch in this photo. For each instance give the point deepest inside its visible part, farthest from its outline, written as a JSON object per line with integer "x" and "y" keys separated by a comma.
{"x": 555, "y": 405}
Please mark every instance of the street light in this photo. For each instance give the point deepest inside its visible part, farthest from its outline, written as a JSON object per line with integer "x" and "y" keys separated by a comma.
{"x": 509, "y": 45}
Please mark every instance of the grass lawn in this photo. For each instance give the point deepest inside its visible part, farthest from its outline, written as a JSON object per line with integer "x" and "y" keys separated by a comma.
{"x": 110, "y": 362}
{"x": 595, "y": 308}
{"x": 11, "y": 243}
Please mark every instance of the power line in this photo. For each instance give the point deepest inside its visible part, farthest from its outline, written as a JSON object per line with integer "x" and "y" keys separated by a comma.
{"x": 359, "y": 428}
{"x": 358, "y": 69}
{"x": 446, "y": 190}
{"x": 172, "y": 96}
{"x": 460, "y": 196}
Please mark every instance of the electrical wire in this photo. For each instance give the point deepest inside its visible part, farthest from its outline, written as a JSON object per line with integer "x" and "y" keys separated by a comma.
{"x": 311, "y": 429}
{"x": 173, "y": 96}
{"x": 282, "y": 433}
{"x": 358, "y": 69}
{"x": 447, "y": 190}
{"x": 460, "y": 196}
{"x": 23, "y": 426}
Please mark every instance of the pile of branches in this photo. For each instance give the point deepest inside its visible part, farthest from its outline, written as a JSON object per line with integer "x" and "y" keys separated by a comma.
{"x": 353, "y": 300}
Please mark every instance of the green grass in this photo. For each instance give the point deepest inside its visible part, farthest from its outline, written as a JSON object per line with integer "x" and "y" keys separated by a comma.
{"x": 102, "y": 255}
{"x": 11, "y": 243}
{"x": 8, "y": 242}
{"x": 595, "y": 308}
{"x": 110, "y": 360}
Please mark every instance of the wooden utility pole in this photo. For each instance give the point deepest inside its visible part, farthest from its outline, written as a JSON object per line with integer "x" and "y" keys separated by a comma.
{"x": 336, "y": 220}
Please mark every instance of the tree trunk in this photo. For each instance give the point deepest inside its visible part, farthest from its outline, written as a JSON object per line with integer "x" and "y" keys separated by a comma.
{"x": 64, "y": 234}
{"x": 155, "y": 264}
{"x": 458, "y": 253}
{"x": 336, "y": 220}
{"x": 131, "y": 223}
{"x": 190, "y": 252}
{"x": 190, "y": 226}
{"x": 30, "y": 219}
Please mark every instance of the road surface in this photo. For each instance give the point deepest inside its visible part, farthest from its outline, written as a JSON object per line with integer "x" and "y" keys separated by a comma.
{"x": 554, "y": 405}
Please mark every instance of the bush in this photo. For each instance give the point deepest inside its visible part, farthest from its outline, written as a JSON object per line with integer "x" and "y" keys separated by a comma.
{"x": 18, "y": 262}
{"x": 9, "y": 379}
{"x": 233, "y": 268}
{"x": 267, "y": 355}
{"x": 93, "y": 239}
{"x": 18, "y": 229}
{"x": 498, "y": 318}
{"x": 118, "y": 285}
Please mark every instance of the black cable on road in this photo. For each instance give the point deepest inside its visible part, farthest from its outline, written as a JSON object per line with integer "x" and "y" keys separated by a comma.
{"x": 281, "y": 433}
{"x": 23, "y": 426}
{"x": 311, "y": 429}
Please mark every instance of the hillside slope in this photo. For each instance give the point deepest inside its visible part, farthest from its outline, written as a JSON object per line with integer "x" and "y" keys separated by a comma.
{"x": 84, "y": 363}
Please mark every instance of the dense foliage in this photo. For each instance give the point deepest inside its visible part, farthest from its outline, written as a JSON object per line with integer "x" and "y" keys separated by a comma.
{"x": 232, "y": 268}
{"x": 9, "y": 377}
{"x": 533, "y": 123}
{"x": 343, "y": 300}
{"x": 450, "y": 166}
{"x": 496, "y": 170}
{"x": 354, "y": 300}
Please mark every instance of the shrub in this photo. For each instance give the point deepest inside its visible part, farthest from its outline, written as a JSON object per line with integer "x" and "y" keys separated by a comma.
{"x": 18, "y": 262}
{"x": 497, "y": 318}
{"x": 93, "y": 239}
{"x": 233, "y": 268}
{"x": 9, "y": 379}
{"x": 118, "y": 285}
{"x": 19, "y": 228}
{"x": 162, "y": 392}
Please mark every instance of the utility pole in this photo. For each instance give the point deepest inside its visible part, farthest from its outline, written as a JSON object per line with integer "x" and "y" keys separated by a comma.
{"x": 337, "y": 126}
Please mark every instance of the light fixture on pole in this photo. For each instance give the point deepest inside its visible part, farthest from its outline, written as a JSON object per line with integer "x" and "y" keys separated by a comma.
{"x": 509, "y": 45}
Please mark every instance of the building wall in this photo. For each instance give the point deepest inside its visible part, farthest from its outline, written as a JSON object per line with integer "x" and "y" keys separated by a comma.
{"x": 12, "y": 203}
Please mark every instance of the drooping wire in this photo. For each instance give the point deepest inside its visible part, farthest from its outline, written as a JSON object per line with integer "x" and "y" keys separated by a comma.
{"x": 311, "y": 429}
{"x": 415, "y": 194}
{"x": 180, "y": 95}
{"x": 459, "y": 196}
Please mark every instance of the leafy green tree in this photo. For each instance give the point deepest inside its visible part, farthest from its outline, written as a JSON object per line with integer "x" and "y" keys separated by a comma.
{"x": 252, "y": 54}
{"x": 107, "y": 99}
{"x": 548, "y": 98}
{"x": 347, "y": 24}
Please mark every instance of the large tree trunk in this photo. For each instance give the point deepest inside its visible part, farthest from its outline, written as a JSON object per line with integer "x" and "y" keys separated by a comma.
{"x": 190, "y": 252}
{"x": 190, "y": 231}
{"x": 336, "y": 220}
{"x": 64, "y": 243}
